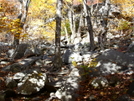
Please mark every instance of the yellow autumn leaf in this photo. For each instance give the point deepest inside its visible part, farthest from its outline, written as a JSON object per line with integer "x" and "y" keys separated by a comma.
{"x": 74, "y": 63}
{"x": 4, "y": 18}
{"x": 24, "y": 35}
{"x": 93, "y": 63}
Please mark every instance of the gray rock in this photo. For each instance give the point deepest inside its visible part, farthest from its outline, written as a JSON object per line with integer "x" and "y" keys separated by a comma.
{"x": 4, "y": 47}
{"x": 70, "y": 56}
{"x": 21, "y": 65}
{"x": 85, "y": 40}
{"x": 68, "y": 91}
{"x": 10, "y": 82}
{"x": 48, "y": 59}
{"x": 66, "y": 55}
{"x": 78, "y": 47}
{"x": 39, "y": 62}
{"x": 29, "y": 61}
{"x": 2, "y": 43}
{"x": 86, "y": 56}
{"x": 110, "y": 62}
{"x": 16, "y": 67}
{"x": 37, "y": 51}
{"x": 118, "y": 57}
{"x": 100, "y": 82}
{"x": 10, "y": 53}
{"x": 62, "y": 38}
{"x": 28, "y": 52}
{"x": 76, "y": 40}
{"x": 4, "y": 62}
{"x": 45, "y": 57}
{"x": 19, "y": 76}
{"x": 43, "y": 62}
{"x": 31, "y": 83}
{"x": 19, "y": 51}
{"x": 48, "y": 62}
{"x": 50, "y": 51}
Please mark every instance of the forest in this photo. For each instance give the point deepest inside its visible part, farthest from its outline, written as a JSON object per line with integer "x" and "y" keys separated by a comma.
{"x": 66, "y": 50}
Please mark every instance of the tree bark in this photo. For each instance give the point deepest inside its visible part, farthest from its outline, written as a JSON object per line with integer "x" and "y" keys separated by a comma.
{"x": 89, "y": 25}
{"x": 72, "y": 24}
{"x": 58, "y": 59}
{"x": 24, "y": 4}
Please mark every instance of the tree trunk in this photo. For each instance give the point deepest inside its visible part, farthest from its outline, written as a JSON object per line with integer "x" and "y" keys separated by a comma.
{"x": 89, "y": 25}
{"x": 58, "y": 60}
{"x": 102, "y": 35}
{"x": 72, "y": 24}
{"x": 24, "y": 4}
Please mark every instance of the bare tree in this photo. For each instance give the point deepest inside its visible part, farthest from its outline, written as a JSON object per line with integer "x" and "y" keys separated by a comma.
{"x": 24, "y": 4}
{"x": 71, "y": 16}
{"x": 89, "y": 25}
{"x": 58, "y": 60}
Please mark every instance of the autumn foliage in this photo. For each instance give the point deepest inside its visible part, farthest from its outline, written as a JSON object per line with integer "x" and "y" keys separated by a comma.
{"x": 8, "y": 17}
{"x": 127, "y": 6}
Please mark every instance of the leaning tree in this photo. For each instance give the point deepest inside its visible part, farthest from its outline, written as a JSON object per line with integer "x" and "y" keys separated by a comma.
{"x": 24, "y": 4}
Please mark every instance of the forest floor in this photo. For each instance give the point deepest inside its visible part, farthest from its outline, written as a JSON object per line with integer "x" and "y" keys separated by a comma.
{"x": 110, "y": 93}
{"x": 86, "y": 91}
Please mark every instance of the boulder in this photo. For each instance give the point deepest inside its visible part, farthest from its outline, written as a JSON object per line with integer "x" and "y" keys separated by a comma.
{"x": 66, "y": 55}
{"x": 10, "y": 82}
{"x": 28, "y": 52}
{"x": 16, "y": 67}
{"x": 76, "y": 40}
{"x": 21, "y": 65}
{"x": 37, "y": 51}
{"x": 29, "y": 61}
{"x": 78, "y": 47}
{"x": 110, "y": 62}
{"x": 68, "y": 91}
{"x": 10, "y": 53}
{"x": 119, "y": 58}
{"x": 31, "y": 83}
{"x": 18, "y": 76}
{"x": 4, "y": 47}
{"x": 43, "y": 62}
{"x": 19, "y": 51}
{"x": 4, "y": 62}
{"x": 70, "y": 56}
{"x": 76, "y": 56}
